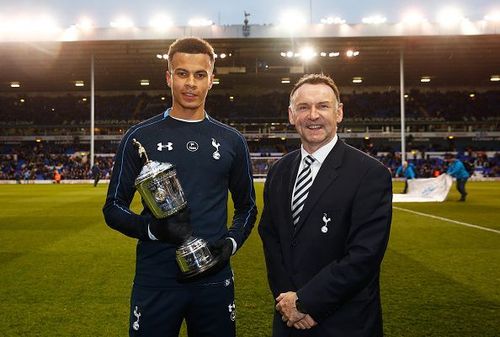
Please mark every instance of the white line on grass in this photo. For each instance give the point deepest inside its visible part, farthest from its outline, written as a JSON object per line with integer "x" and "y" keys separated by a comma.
{"x": 446, "y": 219}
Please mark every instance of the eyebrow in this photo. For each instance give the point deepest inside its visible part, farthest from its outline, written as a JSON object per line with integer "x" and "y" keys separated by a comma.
{"x": 322, "y": 102}
{"x": 196, "y": 72}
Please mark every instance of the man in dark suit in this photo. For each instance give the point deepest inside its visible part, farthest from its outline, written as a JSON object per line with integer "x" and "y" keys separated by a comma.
{"x": 325, "y": 224}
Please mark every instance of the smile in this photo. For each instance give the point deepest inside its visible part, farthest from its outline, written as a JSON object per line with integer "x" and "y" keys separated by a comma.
{"x": 314, "y": 127}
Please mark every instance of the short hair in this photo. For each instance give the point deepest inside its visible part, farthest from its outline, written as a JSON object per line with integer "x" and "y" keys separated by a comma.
{"x": 316, "y": 79}
{"x": 191, "y": 45}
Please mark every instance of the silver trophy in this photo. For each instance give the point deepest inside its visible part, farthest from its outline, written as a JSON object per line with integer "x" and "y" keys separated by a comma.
{"x": 162, "y": 192}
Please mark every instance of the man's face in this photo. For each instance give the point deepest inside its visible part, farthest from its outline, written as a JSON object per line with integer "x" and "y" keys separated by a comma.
{"x": 315, "y": 112}
{"x": 190, "y": 77}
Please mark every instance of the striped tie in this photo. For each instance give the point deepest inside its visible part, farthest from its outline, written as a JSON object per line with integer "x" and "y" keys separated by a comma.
{"x": 304, "y": 182}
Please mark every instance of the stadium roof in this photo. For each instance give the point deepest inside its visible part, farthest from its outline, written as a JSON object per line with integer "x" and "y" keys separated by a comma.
{"x": 449, "y": 58}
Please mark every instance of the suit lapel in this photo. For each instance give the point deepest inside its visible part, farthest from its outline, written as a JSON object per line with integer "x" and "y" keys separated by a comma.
{"x": 326, "y": 175}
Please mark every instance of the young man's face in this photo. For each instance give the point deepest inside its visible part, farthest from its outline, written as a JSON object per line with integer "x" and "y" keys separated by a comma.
{"x": 315, "y": 112}
{"x": 190, "y": 77}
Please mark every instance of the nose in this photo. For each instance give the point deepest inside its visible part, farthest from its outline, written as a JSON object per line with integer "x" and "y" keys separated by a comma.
{"x": 313, "y": 113}
{"x": 190, "y": 80}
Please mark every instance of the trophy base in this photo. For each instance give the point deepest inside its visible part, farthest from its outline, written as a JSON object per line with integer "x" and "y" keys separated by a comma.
{"x": 194, "y": 258}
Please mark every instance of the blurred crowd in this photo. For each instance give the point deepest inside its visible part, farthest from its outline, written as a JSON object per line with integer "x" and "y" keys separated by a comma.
{"x": 43, "y": 162}
{"x": 40, "y": 163}
{"x": 68, "y": 109}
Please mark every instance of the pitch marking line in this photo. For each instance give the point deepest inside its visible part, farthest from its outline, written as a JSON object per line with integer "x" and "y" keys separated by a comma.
{"x": 449, "y": 220}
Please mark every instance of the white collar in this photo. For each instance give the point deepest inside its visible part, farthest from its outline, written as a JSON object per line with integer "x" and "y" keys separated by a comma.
{"x": 167, "y": 113}
{"x": 320, "y": 154}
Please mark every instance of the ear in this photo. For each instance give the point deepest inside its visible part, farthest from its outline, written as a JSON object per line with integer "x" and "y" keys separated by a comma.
{"x": 291, "y": 115}
{"x": 168, "y": 77}
{"x": 340, "y": 113}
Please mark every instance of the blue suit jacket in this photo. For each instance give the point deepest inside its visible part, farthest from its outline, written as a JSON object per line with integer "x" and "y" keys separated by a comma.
{"x": 335, "y": 274}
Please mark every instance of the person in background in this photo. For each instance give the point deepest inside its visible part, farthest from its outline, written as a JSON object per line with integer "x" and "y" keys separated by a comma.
{"x": 457, "y": 170}
{"x": 407, "y": 171}
{"x": 57, "y": 176}
{"x": 96, "y": 173}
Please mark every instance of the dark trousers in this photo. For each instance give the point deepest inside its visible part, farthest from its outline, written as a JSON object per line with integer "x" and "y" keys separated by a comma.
{"x": 406, "y": 186}
{"x": 461, "y": 188}
{"x": 209, "y": 310}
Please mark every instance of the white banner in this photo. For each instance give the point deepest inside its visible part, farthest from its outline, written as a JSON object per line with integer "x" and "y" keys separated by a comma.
{"x": 426, "y": 190}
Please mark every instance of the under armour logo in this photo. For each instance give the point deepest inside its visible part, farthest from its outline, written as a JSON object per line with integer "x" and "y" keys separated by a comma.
{"x": 137, "y": 314}
{"x": 216, "y": 154}
{"x": 167, "y": 146}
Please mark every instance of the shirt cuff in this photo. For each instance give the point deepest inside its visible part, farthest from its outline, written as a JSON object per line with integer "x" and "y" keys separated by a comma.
{"x": 235, "y": 245}
{"x": 151, "y": 236}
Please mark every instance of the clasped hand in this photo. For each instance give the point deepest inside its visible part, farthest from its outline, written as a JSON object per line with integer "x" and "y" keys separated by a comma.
{"x": 285, "y": 304}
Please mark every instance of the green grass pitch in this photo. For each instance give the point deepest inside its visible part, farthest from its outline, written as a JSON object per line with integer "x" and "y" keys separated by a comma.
{"x": 63, "y": 272}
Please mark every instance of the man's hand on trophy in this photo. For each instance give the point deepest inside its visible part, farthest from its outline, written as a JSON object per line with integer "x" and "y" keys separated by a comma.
{"x": 175, "y": 229}
{"x": 222, "y": 249}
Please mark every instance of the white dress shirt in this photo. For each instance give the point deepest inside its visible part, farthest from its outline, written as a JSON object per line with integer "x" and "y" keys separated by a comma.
{"x": 319, "y": 157}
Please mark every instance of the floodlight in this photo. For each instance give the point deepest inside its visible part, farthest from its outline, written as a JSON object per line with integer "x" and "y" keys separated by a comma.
{"x": 223, "y": 55}
{"x": 285, "y": 80}
{"x": 15, "y": 84}
{"x": 425, "y": 79}
{"x": 22, "y": 100}
{"x": 351, "y": 53}
{"x": 160, "y": 22}
{"x": 289, "y": 54}
{"x": 333, "y": 21}
{"x": 159, "y": 56}
{"x": 163, "y": 98}
{"x": 79, "y": 84}
{"x": 165, "y": 56}
{"x": 495, "y": 78}
{"x": 450, "y": 16}
{"x": 493, "y": 16}
{"x": 122, "y": 23}
{"x": 307, "y": 53}
{"x": 85, "y": 24}
{"x": 216, "y": 81}
{"x": 292, "y": 20}
{"x": 412, "y": 18}
{"x": 144, "y": 83}
{"x": 472, "y": 95}
{"x": 283, "y": 54}
{"x": 200, "y": 22}
{"x": 357, "y": 80}
{"x": 322, "y": 54}
{"x": 333, "y": 54}
{"x": 374, "y": 20}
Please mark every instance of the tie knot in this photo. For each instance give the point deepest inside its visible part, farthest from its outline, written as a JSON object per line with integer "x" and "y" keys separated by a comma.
{"x": 309, "y": 160}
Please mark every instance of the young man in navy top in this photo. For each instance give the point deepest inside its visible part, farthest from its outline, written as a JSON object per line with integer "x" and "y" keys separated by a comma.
{"x": 211, "y": 159}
